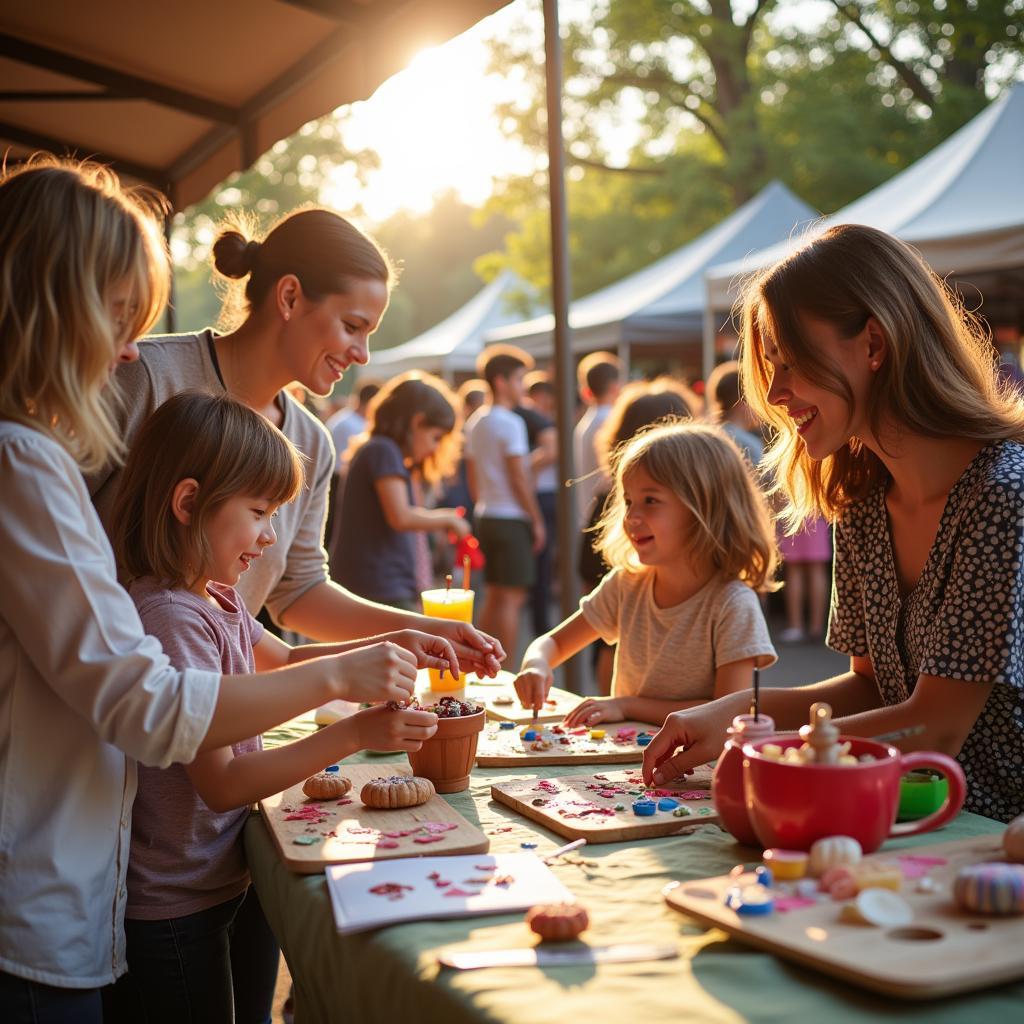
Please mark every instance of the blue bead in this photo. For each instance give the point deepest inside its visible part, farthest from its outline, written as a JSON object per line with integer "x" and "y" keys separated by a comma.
{"x": 643, "y": 739}
{"x": 530, "y": 734}
{"x": 528, "y": 846}
{"x": 506, "y": 725}
{"x": 644, "y": 808}
{"x": 332, "y": 768}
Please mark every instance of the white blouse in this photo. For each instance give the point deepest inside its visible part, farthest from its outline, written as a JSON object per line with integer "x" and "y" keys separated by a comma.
{"x": 83, "y": 693}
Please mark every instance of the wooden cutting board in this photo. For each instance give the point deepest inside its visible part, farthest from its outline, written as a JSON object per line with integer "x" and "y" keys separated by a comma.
{"x": 346, "y": 832}
{"x": 941, "y": 952}
{"x": 574, "y": 805}
{"x": 503, "y": 748}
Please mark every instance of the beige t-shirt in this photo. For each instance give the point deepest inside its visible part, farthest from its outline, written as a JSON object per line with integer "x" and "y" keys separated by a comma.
{"x": 169, "y": 364}
{"x": 672, "y": 653}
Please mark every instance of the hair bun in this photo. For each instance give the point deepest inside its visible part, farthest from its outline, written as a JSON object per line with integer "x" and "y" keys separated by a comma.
{"x": 233, "y": 254}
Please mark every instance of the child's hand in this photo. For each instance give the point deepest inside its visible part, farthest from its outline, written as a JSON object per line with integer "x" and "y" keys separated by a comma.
{"x": 533, "y": 683}
{"x": 594, "y": 710}
{"x": 459, "y": 527}
{"x": 429, "y": 651}
{"x": 380, "y": 728}
{"x": 378, "y": 672}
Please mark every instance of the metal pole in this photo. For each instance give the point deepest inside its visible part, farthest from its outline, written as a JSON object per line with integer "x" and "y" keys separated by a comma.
{"x": 170, "y": 314}
{"x": 568, "y": 535}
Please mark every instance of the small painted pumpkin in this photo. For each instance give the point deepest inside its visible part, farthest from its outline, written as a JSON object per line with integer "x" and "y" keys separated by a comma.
{"x": 326, "y": 786}
{"x": 557, "y": 922}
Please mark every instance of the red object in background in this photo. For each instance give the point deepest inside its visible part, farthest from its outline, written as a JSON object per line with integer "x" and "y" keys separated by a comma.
{"x": 466, "y": 546}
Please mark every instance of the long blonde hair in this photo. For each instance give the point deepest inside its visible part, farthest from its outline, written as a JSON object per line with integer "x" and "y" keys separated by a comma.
{"x": 705, "y": 470}
{"x": 938, "y": 378}
{"x": 69, "y": 232}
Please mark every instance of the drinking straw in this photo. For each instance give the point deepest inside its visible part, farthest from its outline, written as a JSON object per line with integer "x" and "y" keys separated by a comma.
{"x": 465, "y": 572}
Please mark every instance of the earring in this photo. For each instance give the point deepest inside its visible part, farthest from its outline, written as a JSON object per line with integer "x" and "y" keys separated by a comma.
{"x": 874, "y": 364}
{"x": 287, "y": 316}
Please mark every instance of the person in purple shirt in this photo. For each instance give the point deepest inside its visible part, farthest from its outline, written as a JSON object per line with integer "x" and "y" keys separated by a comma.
{"x": 196, "y": 507}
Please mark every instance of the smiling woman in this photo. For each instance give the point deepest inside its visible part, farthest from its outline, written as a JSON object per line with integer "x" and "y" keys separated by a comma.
{"x": 314, "y": 291}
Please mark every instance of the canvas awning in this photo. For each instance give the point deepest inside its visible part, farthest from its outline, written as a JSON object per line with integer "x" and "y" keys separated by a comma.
{"x": 961, "y": 206}
{"x": 663, "y": 303}
{"x": 452, "y": 346}
{"x": 181, "y": 95}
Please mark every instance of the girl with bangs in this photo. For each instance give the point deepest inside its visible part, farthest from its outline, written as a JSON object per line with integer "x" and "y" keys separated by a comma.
{"x": 196, "y": 506}
{"x": 85, "y": 693}
{"x": 890, "y": 420}
{"x": 690, "y": 542}
{"x": 379, "y": 549}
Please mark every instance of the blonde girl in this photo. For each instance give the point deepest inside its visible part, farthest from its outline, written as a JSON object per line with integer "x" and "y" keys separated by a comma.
{"x": 891, "y": 421}
{"x": 690, "y": 543}
{"x": 198, "y": 498}
{"x": 301, "y": 305}
{"x": 379, "y": 550}
{"x": 84, "y": 692}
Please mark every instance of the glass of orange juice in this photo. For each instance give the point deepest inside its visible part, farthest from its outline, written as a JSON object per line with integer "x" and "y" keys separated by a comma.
{"x": 451, "y": 603}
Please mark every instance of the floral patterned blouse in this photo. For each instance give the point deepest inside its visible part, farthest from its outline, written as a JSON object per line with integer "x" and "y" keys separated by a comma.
{"x": 964, "y": 619}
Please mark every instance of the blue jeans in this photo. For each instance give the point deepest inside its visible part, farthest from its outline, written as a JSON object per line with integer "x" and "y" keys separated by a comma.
{"x": 29, "y": 1002}
{"x": 212, "y": 967}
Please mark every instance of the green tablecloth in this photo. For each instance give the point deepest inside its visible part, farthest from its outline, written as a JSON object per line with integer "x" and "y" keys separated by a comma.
{"x": 392, "y": 975}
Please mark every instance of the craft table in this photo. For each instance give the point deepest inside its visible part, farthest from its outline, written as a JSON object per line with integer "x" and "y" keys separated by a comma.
{"x": 392, "y": 974}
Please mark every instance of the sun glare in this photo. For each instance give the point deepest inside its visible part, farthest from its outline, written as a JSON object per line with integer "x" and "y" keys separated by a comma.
{"x": 434, "y": 128}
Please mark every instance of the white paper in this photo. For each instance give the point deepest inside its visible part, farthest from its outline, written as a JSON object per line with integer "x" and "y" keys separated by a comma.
{"x": 539, "y": 956}
{"x": 356, "y": 908}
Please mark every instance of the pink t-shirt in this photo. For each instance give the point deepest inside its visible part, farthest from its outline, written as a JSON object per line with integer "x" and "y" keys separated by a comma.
{"x": 184, "y": 857}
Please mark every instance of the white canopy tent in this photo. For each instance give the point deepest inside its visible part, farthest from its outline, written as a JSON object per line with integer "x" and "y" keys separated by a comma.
{"x": 961, "y": 206}
{"x": 451, "y": 347}
{"x": 663, "y": 303}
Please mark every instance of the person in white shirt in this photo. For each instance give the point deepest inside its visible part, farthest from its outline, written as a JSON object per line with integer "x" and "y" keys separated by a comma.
{"x": 599, "y": 379}
{"x": 509, "y": 524}
{"x": 84, "y": 692}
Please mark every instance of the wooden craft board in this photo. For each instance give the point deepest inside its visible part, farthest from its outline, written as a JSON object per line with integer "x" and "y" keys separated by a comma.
{"x": 943, "y": 951}
{"x": 503, "y": 748}
{"x": 346, "y": 846}
{"x": 556, "y": 707}
{"x": 575, "y": 793}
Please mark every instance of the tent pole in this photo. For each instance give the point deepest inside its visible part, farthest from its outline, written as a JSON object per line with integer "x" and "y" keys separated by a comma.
{"x": 708, "y": 337}
{"x": 568, "y": 535}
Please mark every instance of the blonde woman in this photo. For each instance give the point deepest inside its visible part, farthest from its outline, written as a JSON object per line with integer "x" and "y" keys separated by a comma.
{"x": 300, "y": 305}
{"x": 690, "y": 542}
{"x": 84, "y": 693}
{"x": 890, "y": 420}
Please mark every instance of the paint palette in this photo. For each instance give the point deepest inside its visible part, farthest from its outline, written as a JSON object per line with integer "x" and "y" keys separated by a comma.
{"x": 555, "y": 743}
{"x": 599, "y": 808}
{"x": 941, "y": 951}
{"x": 310, "y": 834}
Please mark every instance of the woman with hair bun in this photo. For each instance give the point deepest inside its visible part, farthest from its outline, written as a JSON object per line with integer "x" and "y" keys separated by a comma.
{"x": 315, "y": 289}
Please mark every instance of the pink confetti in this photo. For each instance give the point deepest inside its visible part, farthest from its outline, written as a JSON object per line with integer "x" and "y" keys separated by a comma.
{"x": 625, "y": 734}
{"x": 601, "y": 778}
{"x": 459, "y": 892}
{"x": 437, "y": 827}
{"x": 696, "y": 794}
{"x": 442, "y": 883}
{"x": 428, "y": 839}
{"x": 486, "y": 867}
{"x": 341, "y": 803}
{"x": 546, "y": 786}
{"x": 387, "y": 844}
{"x": 784, "y": 903}
{"x": 917, "y": 866}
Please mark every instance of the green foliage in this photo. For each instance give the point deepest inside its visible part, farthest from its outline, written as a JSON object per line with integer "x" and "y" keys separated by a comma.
{"x": 731, "y": 95}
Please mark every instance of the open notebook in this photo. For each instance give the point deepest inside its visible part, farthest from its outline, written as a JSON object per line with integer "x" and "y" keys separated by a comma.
{"x": 373, "y": 894}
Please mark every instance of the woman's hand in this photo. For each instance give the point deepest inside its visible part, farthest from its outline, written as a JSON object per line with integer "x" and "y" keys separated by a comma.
{"x": 380, "y": 728}
{"x": 430, "y": 651}
{"x": 378, "y": 672}
{"x": 458, "y": 526}
{"x": 477, "y": 652}
{"x": 533, "y": 683}
{"x": 698, "y": 734}
{"x": 594, "y": 710}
